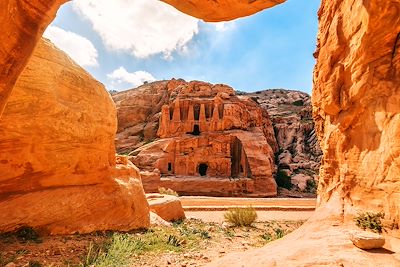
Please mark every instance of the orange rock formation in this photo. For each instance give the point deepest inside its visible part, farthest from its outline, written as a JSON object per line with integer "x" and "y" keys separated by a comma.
{"x": 58, "y": 170}
{"x": 23, "y": 23}
{"x": 356, "y": 102}
{"x": 222, "y": 10}
{"x": 212, "y": 142}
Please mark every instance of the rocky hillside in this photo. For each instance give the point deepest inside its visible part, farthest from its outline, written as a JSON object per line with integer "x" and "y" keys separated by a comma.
{"x": 299, "y": 154}
{"x": 293, "y": 139}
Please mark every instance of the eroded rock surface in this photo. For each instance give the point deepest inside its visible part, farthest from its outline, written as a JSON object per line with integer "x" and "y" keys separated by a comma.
{"x": 23, "y": 23}
{"x": 212, "y": 142}
{"x": 367, "y": 240}
{"x": 222, "y": 10}
{"x": 356, "y": 101}
{"x": 299, "y": 154}
{"x": 58, "y": 170}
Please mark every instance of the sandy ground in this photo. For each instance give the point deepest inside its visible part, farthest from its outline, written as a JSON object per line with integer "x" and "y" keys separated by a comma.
{"x": 264, "y": 202}
{"x": 212, "y": 209}
{"x": 218, "y": 216}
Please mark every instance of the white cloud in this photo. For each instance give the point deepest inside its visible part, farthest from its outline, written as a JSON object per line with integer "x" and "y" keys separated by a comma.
{"x": 79, "y": 48}
{"x": 137, "y": 78}
{"x": 139, "y": 27}
{"x": 224, "y": 26}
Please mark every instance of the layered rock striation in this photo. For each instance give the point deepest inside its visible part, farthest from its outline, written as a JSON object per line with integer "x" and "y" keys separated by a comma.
{"x": 211, "y": 142}
{"x": 58, "y": 169}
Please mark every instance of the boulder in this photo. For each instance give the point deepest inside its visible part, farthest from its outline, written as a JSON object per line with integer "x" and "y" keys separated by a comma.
{"x": 300, "y": 180}
{"x": 58, "y": 169}
{"x": 168, "y": 207}
{"x": 367, "y": 240}
{"x": 156, "y": 220}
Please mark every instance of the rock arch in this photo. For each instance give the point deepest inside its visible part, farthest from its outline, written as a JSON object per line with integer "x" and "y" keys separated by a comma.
{"x": 356, "y": 95}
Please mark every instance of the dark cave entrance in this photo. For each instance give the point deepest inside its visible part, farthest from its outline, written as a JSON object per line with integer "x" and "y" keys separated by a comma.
{"x": 196, "y": 130}
{"x": 203, "y": 169}
{"x": 169, "y": 167}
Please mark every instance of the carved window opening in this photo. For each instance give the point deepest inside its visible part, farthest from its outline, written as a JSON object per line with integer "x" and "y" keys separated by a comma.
{"x": 241, "y": 168}
{"x": 196, "y": 109}
{"x": 203, "y": 169}
{"x": 169, "y": 167}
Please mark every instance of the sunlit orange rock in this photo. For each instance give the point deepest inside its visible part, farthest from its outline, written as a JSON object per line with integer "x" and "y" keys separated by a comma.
{"x": 22, "y": 25}
{"x": 168, "y": 207}
{"x": 356, "y": 102}
{"x": 58, "y": 170}
{"x": 222, "y": 10}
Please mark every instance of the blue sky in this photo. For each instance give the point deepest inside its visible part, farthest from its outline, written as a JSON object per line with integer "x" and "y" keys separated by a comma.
{"x": 122, "y": 47}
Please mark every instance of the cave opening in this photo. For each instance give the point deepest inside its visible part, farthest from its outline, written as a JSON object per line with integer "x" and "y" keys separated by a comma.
{"x": 203, "y": 169}
{"x": 196, "y": 130}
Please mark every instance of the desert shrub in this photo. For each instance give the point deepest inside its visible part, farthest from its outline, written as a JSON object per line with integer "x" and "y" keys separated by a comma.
{"x": 311, "y": 186}
{"x": 298, "y": 103}
{"x": 174, "y": 241}
{"x": 267, "y": 237}
{"x": 114, "y": 253}
{"x": 279, "y": 233}
{"x": 241, "y": 216}
{"x": 167, "y": 191}
{"x": 283, "y": 180}
{"x": 370, "y": 220}
{"x": 27, "y": 234}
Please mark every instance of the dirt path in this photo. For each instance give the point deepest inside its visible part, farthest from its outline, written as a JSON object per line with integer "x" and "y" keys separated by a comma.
{"x": 263, "y": 202}
{"x": 212, "y": 209}
{"x": 218, "y": 216}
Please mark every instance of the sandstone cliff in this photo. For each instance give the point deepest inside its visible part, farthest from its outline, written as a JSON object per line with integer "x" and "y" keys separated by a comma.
{"x": 356, "y": 106}
{"x": 58, "y": 170}
{"x": 23, "y": 23}
{"x": 299, "y": 155}
{"x": 198, "y": 125}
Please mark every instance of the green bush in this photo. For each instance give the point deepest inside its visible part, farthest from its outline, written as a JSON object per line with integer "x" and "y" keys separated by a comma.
{"x": 279, "y": 233}
{"x": 28, "y": 234}
{"x": 241, "y": 216}
{"x": 370, "y": 220}
{"x": 311, "y": 186}
{"x": 283, "y": 180}
{"x": 298, "y": 103}
{"x": 117, "y": 252}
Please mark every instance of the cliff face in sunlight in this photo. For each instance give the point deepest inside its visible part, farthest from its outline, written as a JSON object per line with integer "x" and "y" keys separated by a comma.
{"x": 356, "y": 101}
{"x": 58, "y": 170}
{"x": 23, "y": 23}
